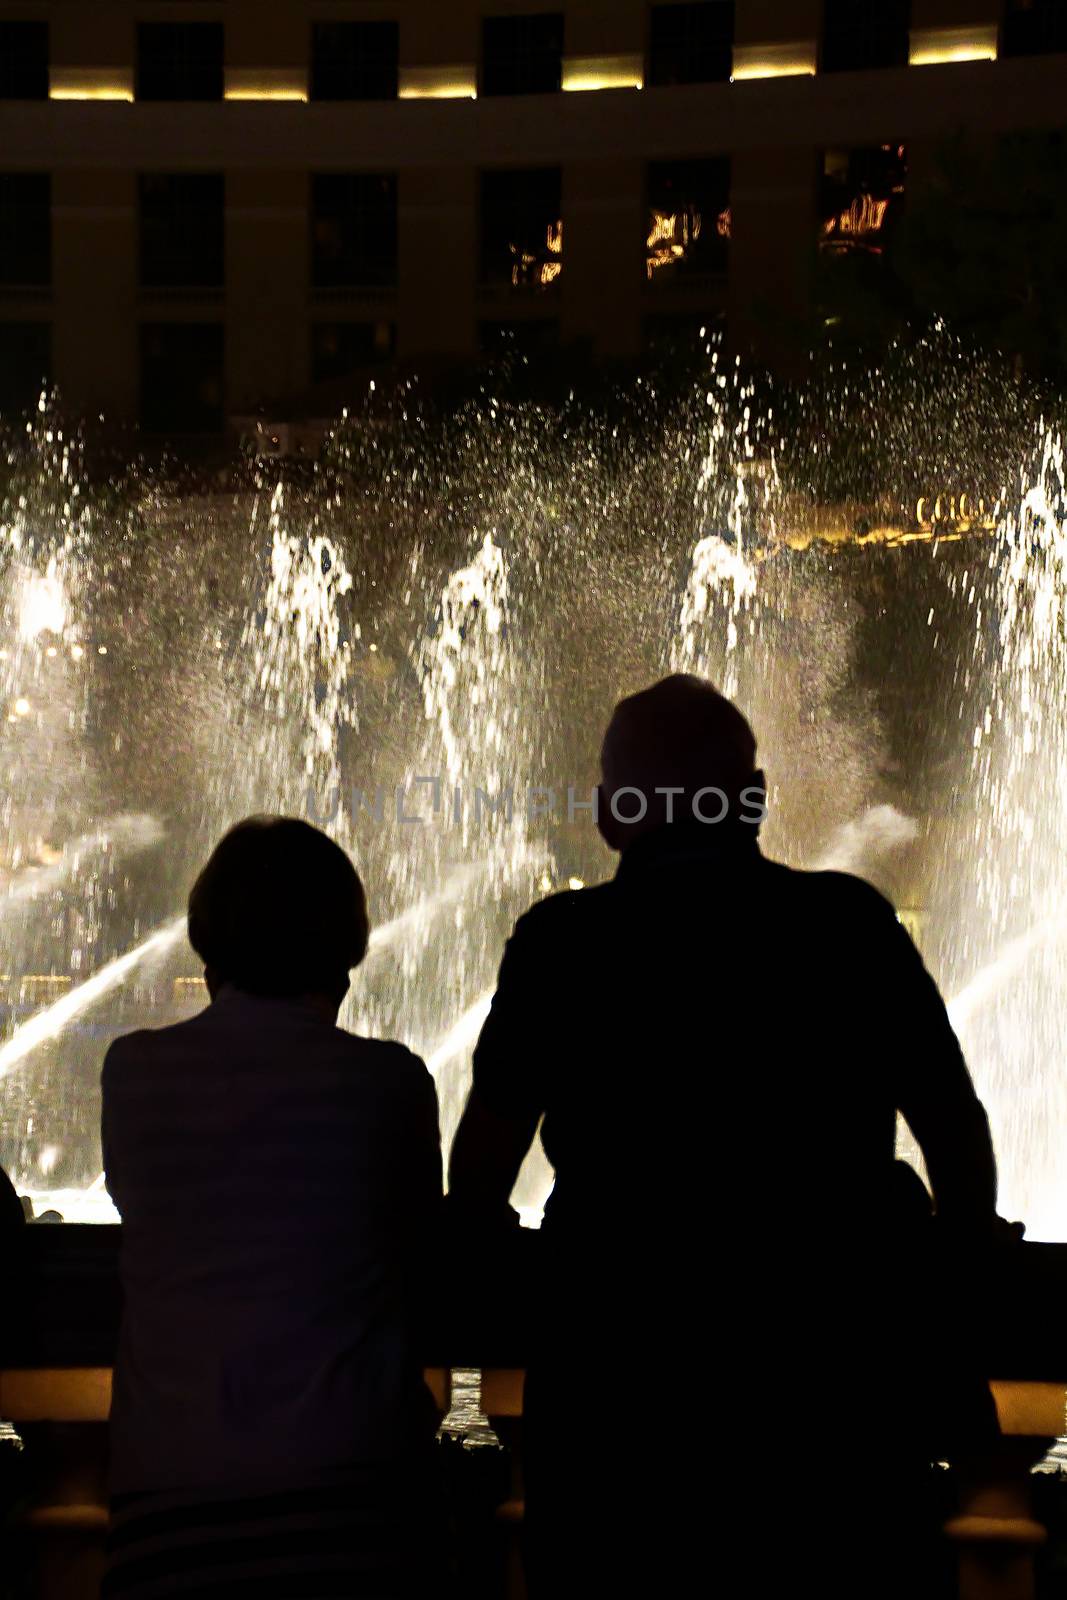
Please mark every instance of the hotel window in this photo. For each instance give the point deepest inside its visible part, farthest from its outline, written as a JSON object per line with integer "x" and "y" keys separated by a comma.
{"x": 522, "y": 55}
{"x": 25, "y": 229}
{"x": 182, "y": 377}
{"x": 691, "y": 43}
{"x": 861, "y": 34}
{"x": 179, "y": 61}
{"x": 25, "y": 364}
{"x": 353, "y": 230}
{"x": 522, "y": 229}
{"x": 340, "y": 348}
{"x": 861, "y": 194}
{"x": 182, "y": 230}
{"x": 1034, "y": 27}
{"x": 355, "y": 60}
{"x": 23, "y": 61}
{"x": 688, "y": 221}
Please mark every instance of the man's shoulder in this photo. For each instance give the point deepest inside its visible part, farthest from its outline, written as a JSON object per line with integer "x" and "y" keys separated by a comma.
{"x": 567, "y": 909}
{"x": 387, "y": 1056}
{"x": 830, "y": 892}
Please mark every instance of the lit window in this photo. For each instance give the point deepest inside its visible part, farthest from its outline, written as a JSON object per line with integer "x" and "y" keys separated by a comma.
{"x": 25, "y": 229}
{"x": 23, "y": 61}
{"x": 691, "y": 43}
{"x": 689, "y": 222}
{"x": 182, "y": 377}
{"x": 25, "y": 364}
{"x": 182, "y": 229}
{"x": 522, "y": 229}
{"x": 353, "y": 230}
{"x": 861, "y": 195}
{"x": 355, "y": 60}
{"x": 1034, "y": 27}
{"x": 862, "y": 34}
{"x": 522, "y": 55}
{"x": 179, "y": 61}
{"x": 340, "y": 349}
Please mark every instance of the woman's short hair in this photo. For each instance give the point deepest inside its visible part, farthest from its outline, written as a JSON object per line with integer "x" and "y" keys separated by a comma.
{"x": 279, "y": 909}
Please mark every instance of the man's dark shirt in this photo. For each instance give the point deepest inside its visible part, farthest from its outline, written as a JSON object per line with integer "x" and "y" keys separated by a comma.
{"x": 718, "y": 1045}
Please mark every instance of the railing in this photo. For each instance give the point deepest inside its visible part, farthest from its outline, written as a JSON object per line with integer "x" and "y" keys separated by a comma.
{"x": 995, "y": 1532}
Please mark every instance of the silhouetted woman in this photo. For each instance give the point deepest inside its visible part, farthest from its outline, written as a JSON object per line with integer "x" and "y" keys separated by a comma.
{"x": 271, "y": 1434}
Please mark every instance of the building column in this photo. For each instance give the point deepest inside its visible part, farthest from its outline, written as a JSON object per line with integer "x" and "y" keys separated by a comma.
{"x": 438, "y": 237}
{"x": 267, "y": 311}
{"x": 773, "y": 215}
{"x": 603, "y": 260}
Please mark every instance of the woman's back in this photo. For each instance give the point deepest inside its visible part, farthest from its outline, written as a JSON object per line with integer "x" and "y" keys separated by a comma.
{"x": 276, "y": 1177}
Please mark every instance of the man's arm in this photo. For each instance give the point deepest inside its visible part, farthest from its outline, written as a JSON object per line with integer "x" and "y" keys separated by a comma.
{"x": 487, "y": 1154}
{"x": 507, "y": 1097}
{"x": 934, "y": 1091}
{"x": 425, "y": 1148}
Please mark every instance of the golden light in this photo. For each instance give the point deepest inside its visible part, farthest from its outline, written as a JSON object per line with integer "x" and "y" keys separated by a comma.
{"x": 936, "y": 47}
{"x": 670, "y": 238}
{"x": 863, "y": 217}
{"x": 266, "y": 83}
{"x": 291, "y": 95}
{"x": 438, "y": 83}
{"x": 584, "y": 74}
{"x": 793, "y": 60}
{"x": 527, "y": 267}
{"x": 91, "y": 83}
{"x": 22, "y": 706}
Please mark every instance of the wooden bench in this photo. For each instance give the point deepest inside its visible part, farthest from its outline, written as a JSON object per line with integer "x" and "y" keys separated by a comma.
{"x": 995, "y": 1530}
{"x": 35, "y": 1395}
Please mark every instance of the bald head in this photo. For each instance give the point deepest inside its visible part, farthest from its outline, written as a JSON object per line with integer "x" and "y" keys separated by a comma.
{"x": 683, "y": 735}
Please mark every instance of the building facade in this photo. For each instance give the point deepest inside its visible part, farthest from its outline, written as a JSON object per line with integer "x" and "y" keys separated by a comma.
{"x": 212, "y": 207}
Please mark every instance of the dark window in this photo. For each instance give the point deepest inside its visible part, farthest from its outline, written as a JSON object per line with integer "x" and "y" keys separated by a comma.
{"x": 25, "y": 364}
{"x": 354, "y": 60}
{"x": 182, "y": 366}
{"x": 531, "y": 337}
{"x": 858, "y": 34}
{"x": 25, "y": 228}
{"x": 179, "y": 60}
{"x": 23, "y": 61}
{"x": 182, "y": 230}
{"x": 1034, "y": 27}
{"x": 689, "y": 220}
{"x": 341, "y": 348}
{"x": 861, "y": 195}
{"x": 522, "y": 55}
{"x": 692, "y": 43}
{"x": 522, "y": 229}
{"x": 353, "y": 230}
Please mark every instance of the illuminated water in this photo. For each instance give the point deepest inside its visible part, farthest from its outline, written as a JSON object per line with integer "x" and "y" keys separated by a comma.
{"x": 450, "y": 610}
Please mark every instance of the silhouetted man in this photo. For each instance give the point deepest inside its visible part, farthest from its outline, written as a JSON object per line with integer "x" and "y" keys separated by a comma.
{"x": 731, "y": 1356}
